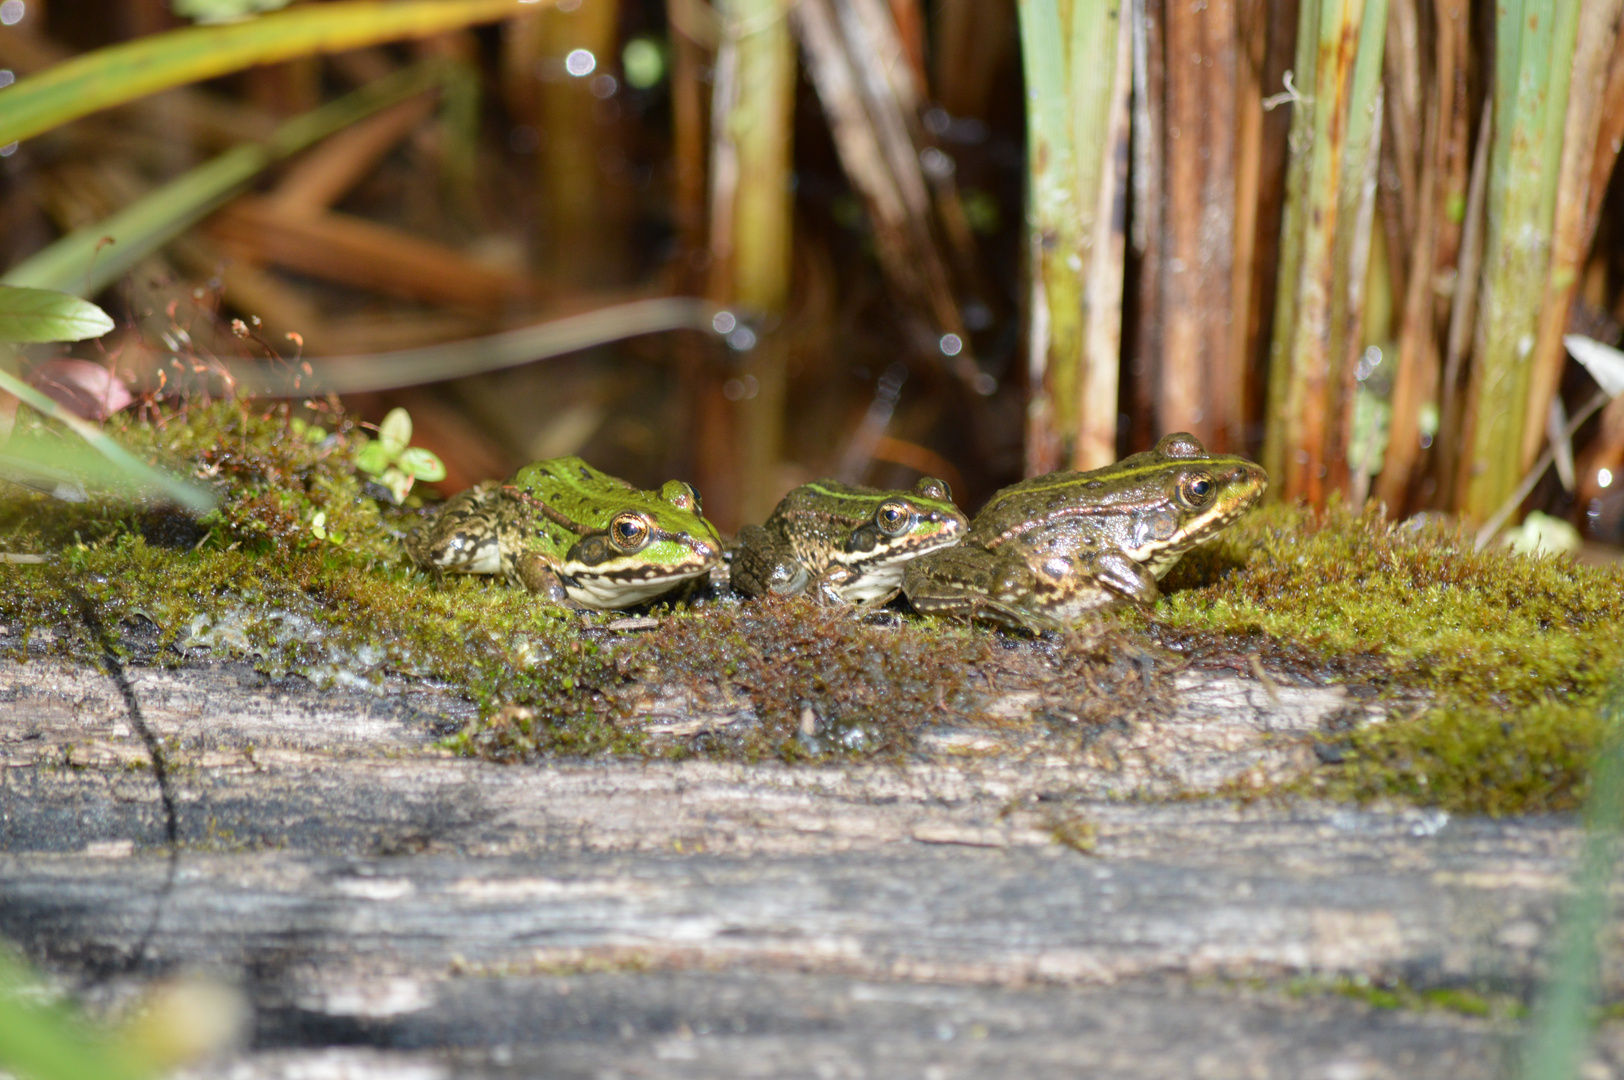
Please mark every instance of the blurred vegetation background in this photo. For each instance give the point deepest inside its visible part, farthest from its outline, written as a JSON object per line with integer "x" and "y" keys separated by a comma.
{"x": 970, "y": 238}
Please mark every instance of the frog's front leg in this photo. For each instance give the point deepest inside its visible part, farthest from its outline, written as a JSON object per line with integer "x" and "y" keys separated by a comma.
{"x": 1130, "y": 579}
{"x": 834, "y": 588}
{"x": 466, "y": 536}
{"x": 765, "y": 564}
{"x": 540, "y": 576}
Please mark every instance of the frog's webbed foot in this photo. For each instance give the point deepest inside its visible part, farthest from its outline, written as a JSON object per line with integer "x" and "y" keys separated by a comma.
{"x": 875, "y": 603}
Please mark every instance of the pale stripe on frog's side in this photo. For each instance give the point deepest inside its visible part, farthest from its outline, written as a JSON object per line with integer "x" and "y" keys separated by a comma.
{"x": 845, "y": 542}
{"x": 1047, "y": 552}
{"x": 572, "y": 532}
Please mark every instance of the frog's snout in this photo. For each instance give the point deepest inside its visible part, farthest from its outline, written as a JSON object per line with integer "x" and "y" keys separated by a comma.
{"x": 1250, "y": 474}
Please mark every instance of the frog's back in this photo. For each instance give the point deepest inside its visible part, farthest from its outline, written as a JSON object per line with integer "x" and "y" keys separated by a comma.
{"x": 567, "y": 476}
{"x": 828, "y": 501}
{"x": 1069, "y": 496}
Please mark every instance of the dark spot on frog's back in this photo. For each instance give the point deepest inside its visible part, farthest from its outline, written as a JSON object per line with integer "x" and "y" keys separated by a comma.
{"x": 586, "y": 473}
{"x": 1094, "y": 485}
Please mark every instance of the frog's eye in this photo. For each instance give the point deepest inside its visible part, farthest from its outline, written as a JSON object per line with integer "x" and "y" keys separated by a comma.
{"x": 894, "y": 517}
{"x": 629, "y": 532}
{"x": 932, "y": 488}
{"x": 1196, "y": 490}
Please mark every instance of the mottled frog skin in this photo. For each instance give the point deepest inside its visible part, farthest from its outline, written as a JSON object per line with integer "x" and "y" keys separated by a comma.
{"x": 574, "y": 534}
{"x": 1050, "y": 551}
{"x": 843, "y": 542}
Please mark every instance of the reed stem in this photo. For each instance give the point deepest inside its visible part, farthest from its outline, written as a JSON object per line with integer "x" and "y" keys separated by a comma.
{"x": 1535, "y": 39}
{"x": 1070, "y": 48}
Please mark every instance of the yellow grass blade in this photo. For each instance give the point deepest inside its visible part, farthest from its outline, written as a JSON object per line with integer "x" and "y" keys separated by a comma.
{"x": 122, "y": 73}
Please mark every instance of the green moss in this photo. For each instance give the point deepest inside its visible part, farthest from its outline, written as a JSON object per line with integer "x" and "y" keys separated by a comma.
{"x": 1511, "y": 654}
{"x": 1395, "y": 994}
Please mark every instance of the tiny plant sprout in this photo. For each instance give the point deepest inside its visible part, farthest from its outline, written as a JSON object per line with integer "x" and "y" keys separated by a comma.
{"x": 394, "y": 462}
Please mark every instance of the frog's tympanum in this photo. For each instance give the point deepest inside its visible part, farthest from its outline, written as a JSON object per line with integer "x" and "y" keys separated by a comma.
{"x": 1047, "y": 552}
{"x": 846, "y": 543}
{"x": 568, "y": 531}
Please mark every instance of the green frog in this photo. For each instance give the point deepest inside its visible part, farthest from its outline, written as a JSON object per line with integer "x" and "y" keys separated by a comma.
{"x": 846, "y": 543}
{"x": 574, "y": 534}
{"x": 1047, "y": 552}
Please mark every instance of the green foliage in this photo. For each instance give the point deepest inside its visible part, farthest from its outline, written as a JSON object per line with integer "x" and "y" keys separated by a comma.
{"x": 38, "y": 315}
{"x": 33, "y": 315}
{"x": 1396, "y": 994}
{"x": 393, "y": 461}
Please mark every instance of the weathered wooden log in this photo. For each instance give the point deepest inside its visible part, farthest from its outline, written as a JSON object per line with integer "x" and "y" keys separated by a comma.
{"x": 712, "y": 918}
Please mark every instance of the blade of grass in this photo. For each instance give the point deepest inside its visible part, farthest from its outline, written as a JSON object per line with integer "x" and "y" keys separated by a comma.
{"x": 84, "y": 263}
{"x": 50, "y": 1043}
{"x": 1559, "y": 1035}
{"x": 1463, "y": 308}
{"x": 1096, "y": 433}
{"x": 122, "y": 73}
{"x": 187, "y": 495}
{"x": 1357, "y": 198}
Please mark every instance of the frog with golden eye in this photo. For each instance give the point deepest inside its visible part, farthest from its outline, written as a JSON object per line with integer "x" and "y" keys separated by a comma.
{"x": 574, "y": 534}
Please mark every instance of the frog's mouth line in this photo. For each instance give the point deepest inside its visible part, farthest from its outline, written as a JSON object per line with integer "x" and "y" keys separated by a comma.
{"x": 916, "y": 547}
{"x": 1160, "y": 555}
{"x": 644, "y": 572}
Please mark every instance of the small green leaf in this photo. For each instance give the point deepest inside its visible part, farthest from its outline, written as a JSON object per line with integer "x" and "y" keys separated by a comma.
{"x": 374, "y": 458}
{"x": 397, "y": 482}
{"x": 43, "y": 315}
{"x": 318, "y": 525}
{"x": 421, "y": 464}
{"x": 315, "y": 434}
{"x": 396, "y": 431}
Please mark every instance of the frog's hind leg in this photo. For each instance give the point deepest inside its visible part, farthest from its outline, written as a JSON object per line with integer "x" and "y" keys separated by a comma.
{"x": 465, "y": 537}
{"x": 763, "y": 564}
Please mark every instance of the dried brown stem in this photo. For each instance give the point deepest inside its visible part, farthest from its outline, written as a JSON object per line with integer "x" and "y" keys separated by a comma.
{"x": 1201, "y": 383}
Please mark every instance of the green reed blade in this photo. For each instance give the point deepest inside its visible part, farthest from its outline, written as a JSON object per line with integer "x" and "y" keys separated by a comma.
{"x": 1559, "y": 1033}
{"x": 122, "y": 73}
